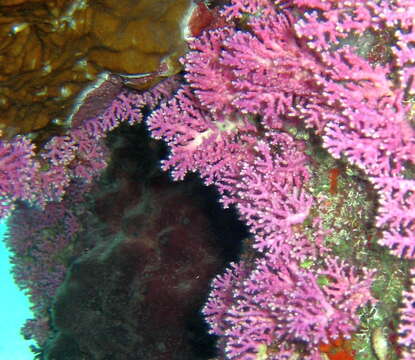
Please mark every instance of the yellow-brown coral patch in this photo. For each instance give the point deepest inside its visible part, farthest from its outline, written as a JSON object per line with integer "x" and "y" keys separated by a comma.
{"x": 51, "y": 50}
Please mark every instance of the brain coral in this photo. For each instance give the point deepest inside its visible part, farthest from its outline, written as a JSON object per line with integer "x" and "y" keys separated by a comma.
{"x": 51, "y": 51}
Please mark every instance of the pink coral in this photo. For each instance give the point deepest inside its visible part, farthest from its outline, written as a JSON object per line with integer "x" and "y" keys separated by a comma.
{"x": 39, "y": 241}
{"x": 396, "y": 215}
{"x": 43, "y": 176}
{"x": 278, "y": 301}
{"x": 210, "y": 79}
{"x": 274, "y": 69}
{"x": 225, "y": 288}
{"x": 16, "y": 170}
{"x": 193, "y": 132}
{"x": 270, "y": 197}
{"x": 276, "y": 65}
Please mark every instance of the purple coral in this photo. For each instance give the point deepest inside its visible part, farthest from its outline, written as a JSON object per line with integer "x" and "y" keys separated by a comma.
{"x": 200, "y": 142}
{"x": 270, "y": 197}
{"x": 16, "y": 170}
{"x": 275, "y": 71}
{"x": 40, "y": 241}
{"x": 224, "y": 290}
{"x": 247, "y": 84}
{"x": 43, "y": 176}
{"x": 280, "y": 302}
{"x": 396, "y": 215}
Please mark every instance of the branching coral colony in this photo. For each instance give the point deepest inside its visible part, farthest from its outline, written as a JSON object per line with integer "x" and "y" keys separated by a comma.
{"x": 264, "y": 96}
{"x": 301, "y": 113}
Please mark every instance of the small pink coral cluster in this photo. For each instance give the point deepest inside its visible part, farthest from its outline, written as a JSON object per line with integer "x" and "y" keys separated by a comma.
{"x": 246, "y": 85}
{"x": 280, "y": 303}
{"x": 39, "y": 241}
{"x": 42, "y": 176}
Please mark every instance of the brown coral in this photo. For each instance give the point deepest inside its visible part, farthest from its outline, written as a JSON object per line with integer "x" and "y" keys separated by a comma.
{"x": 51, "y": 51}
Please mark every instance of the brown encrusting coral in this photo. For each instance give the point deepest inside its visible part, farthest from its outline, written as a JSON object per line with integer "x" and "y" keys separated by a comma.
{"x": 53, "y": 51}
